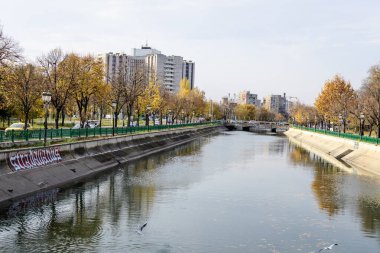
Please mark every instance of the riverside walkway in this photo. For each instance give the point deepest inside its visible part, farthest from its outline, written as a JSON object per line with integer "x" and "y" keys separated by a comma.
{"x": 62, "y": 133}
{"x": 355, "y": 137}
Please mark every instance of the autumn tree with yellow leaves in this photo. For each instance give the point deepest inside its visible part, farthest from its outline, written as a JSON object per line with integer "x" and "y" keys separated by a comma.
{"x": 60, "y": 73}
{"x": 88, "y": 82}
{"x": 245, "y": 111}
{"x": 337, "y": 101}
{"x": 23, "y": 87}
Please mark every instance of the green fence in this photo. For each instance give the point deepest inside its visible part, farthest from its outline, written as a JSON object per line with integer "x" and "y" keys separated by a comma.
{"x": 26, "y": 135}
{"x": 350, "y": 136}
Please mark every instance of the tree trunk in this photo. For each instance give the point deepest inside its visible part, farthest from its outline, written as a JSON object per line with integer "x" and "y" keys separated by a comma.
{"x": 56, "y": 119}
{"x": 100, "y": 116}
{"x": 115, "y": 119}
{"x": 129, "y": 119}
{"x": 138, "y": 117}
{"x": 26, "y": 119}
{"x": 63, "y": 117}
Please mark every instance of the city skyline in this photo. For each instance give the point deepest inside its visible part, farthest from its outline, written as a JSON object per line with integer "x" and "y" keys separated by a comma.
{"x": 270, "y": 48}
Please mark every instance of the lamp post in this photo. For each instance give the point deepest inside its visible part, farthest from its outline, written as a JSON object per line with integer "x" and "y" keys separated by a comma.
{"x": 340, "y": 121}
{"x": 147, "y": 115}
{"x": 46, "y": 98}
{"x": 361, "y": 125}
{"x": 113, "y": 117}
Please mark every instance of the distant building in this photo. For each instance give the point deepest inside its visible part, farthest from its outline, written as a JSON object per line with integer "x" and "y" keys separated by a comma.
{"x": 161, "y": 69}
{"x": 144, "y": 51}
{"x": 165, "y": 70}
{"x": 188, "y": 70}
{"x": 276, "y": 103}
{"x": 246, "y": 97}
{"x": 116, "y": 62}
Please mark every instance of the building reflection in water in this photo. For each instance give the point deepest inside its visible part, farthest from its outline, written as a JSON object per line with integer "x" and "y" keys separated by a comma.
{"x": 336, "y": 191}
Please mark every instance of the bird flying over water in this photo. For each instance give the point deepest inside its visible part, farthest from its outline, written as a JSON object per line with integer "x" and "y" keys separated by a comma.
{"x": 141, "y": 228}
{"x": 328, "y": 248}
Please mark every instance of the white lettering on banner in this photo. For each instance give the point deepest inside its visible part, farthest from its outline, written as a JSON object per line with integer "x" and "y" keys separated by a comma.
{"x": 34, "y": 159}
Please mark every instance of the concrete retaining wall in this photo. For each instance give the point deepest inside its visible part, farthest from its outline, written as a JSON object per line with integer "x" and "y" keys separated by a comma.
{"x": 76, "y": 161}
{"x": 350, "y": 155}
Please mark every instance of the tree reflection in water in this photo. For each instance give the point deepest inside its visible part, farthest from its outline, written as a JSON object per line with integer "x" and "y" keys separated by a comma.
{"x": 86, "y": 210}
{"x": 336, "y": 191}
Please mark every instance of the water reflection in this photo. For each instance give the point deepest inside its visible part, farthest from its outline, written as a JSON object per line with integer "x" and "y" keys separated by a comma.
{"x": 337, "y": 191}
{"x": 89, "y": 211}
{"x": 239, "y": 191}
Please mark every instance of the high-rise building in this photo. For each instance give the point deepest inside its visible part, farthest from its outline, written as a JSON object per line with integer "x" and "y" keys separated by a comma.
{"x": 144, "y": 51}
{"x": 116, "y": 62}
{"x": 188, "y": 70}
{"x": 159, "y": 68}
{"x": 165, "y": 70}
{"x": 246, "y": 97}
{"x": 276, "y": 103}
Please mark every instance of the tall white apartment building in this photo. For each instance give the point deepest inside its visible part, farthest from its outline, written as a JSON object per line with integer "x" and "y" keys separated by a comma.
{"x": 116, "y": 62}
{"x": 159, "y": 68}
{"x": 165, "y": 70}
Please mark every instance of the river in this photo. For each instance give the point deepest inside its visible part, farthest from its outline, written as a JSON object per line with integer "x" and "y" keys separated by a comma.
{"x": 230, "y": 192}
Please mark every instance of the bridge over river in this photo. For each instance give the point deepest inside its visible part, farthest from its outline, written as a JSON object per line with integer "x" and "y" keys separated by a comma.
{"x": 258, "y": 126}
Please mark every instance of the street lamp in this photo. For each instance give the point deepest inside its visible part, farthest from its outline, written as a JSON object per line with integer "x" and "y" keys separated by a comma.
{"x": 340, "y": 121}
{"x": 114, "y": 103}
{"x": 148, "y": 108}
{"x": 46, "y": 98}
{"x": 361, "y": 125}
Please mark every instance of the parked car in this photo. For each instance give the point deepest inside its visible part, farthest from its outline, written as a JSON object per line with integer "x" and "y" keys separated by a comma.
{"x": 15, "y": 127}
{"x": 88, "y": 124}
{"x": 93, "y": 123}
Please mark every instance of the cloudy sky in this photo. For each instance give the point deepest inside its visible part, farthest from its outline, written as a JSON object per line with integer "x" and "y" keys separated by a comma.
{"x": 265, "y": 46}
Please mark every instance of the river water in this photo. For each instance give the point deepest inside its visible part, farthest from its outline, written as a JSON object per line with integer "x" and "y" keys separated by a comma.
{"x": 230, "y": 192}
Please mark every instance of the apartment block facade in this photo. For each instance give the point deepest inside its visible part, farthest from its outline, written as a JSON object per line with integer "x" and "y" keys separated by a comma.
{"x": 276, "y": 103}
{"x": 159, "y": 68}
{"x": 246, "y": 97}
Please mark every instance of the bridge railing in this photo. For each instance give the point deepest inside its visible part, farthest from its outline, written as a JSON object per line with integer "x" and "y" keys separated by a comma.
{"x": 38, "y": 134}
{"x": 356, "y": 137}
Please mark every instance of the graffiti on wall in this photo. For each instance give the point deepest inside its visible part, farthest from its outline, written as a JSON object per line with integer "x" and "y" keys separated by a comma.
{"x": 34, "y": 158}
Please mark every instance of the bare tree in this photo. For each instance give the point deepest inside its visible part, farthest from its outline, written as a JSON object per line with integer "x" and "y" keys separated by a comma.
{"x": 136, "y": 85}
{"x": 118, "y": 83}
{"x": 371, "y": 97}
{"x": 9, "y": 50}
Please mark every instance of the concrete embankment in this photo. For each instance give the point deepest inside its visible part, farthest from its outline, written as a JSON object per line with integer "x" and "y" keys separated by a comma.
{"x": 30, "y": 170}
{"x": 350, "y": 155}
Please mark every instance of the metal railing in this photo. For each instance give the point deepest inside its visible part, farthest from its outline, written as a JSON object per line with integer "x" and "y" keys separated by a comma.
{"x": 355, "y": 137}
{"x": 61, "y": 133}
